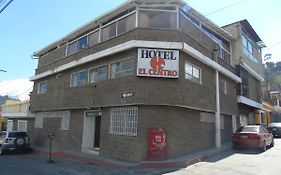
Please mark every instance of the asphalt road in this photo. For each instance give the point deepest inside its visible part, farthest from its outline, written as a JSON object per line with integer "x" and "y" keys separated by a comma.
{"x": 241, "y": 162}
{"x": 35, "y": 164}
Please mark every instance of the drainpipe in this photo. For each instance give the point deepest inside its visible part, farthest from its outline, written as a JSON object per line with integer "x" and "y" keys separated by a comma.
{"x": 218, "y": 113}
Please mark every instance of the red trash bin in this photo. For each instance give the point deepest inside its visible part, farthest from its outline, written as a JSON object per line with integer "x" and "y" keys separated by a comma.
{"x": 157, "y": 145}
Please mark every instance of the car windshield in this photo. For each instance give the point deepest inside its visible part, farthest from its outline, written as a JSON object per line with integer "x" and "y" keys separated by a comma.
{"x": 248, "y": 129}
{"x": 17, "y": 134}
{"x": 275, "y": 125}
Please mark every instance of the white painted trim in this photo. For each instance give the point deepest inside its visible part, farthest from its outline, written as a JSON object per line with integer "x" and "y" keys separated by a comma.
{"x": 18, "y": 115}
{"x": 218, "y": 112}
{"x": 209, "y": 62}
{"x": 146, "y": 44}
{"x": 251, "y": 71}
{"x": 249, "y": 102}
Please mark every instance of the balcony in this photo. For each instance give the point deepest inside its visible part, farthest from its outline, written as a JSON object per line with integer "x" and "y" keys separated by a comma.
{"x": 18, "y": 110}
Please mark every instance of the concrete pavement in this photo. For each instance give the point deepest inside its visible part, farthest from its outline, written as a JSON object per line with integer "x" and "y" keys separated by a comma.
{"x": 177, "y": 162}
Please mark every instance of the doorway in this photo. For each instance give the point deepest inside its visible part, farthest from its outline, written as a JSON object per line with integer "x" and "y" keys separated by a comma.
{"x": 91, "y": 131}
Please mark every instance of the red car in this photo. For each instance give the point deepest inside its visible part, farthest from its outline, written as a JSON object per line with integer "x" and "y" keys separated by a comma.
{"x": 252, "y": 136}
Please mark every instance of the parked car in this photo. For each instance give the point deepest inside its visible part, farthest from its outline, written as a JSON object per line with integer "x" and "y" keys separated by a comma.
{"x": 14, "y": 141}
{"x": 252, "y": 136}
{"x": 275, "y": 129}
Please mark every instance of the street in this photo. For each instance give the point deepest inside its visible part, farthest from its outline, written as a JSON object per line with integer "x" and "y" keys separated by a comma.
{"x": 242, "y": 162}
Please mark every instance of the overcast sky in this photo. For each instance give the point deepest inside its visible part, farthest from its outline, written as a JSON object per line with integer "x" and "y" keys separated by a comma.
{"x": 27, "y": 26}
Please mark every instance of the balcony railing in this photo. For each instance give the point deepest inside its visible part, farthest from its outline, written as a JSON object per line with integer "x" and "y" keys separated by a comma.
{"x": 16, "y": 110}
{"x": 170, "y": 19}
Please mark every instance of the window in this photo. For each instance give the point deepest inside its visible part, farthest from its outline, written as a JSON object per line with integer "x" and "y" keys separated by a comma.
{"x": 10, "y": 125}
{"x": 22, "y": 125}
{"x": 97, "y": 74}
{"x": 93, "y": 38}
{"x": 124, "y": 121}
{"x": 65, "y": 121}
{"x": 109, "y": 31}
{"x": 122, "y": 68}
{"x": 192, "y": 73}
{"x": 39, "y": 118}
{"x": 126, "y": 24}
{"x": 42, "y": 87}
{"x": 247, "y": 44}
{"x": 83, "y": 43}
{"x": 224, "y": 87}
{"x": 78, "y": 79}
{"x": 157, "y": 19}
{"x": 72, "y": 48}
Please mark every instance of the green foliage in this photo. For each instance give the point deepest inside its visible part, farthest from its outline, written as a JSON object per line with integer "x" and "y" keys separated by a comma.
{"x": 273, "y": 75}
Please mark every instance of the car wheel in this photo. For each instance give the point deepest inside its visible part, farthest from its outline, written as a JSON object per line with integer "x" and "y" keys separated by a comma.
{"x": 19, "y": 141}
{"x": 263, "y": 148}
{"x": 272, "y": 143}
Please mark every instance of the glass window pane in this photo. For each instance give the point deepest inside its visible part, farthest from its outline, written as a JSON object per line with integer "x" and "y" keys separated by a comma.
{"x": 196, "y": 72}
{"x": 78, "y": 79}
{"x": 157, "y": 19}
{"x": 188, "y": 69}
{"x": 72, "y": 48}
{"x": 126, "y": 24}
{"x": 122, "y": 68}
{"x": 250, "y": 46}
{"x": 93, "y": 38}
{"x": 109, "y": 32}
{"x": 97, "y": 74}
{"x": 82, "y": 43}
{"x": 244, "y": 41}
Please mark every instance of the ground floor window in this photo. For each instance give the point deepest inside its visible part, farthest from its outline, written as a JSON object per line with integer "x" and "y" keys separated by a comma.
{"x": 22, "y": 125}
{"x": 124, "y": 121}
{"x": 10, "y": 125}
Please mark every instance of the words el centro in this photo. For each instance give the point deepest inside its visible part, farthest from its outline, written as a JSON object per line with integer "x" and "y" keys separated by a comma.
{"x": 158, "y": 63}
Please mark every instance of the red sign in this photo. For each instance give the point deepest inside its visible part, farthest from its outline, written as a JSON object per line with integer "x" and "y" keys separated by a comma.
{"x": 157, "y": 145}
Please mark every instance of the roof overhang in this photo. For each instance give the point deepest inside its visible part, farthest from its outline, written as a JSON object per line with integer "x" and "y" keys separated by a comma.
{"x": 251, "y": 71}
{"x": 249, "y": 102}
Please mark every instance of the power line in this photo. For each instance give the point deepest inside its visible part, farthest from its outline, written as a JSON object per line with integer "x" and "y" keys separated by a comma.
{"x": 226, "y": 7}
{"x": 274, "y": 45}
{"x": 5, "y": 6}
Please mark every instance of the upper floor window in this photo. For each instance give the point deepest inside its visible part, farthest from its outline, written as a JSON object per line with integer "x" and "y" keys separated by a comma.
{"x": 97, "y": 74}
{"x": 42, "y": 87}
{"x": 78, "y": 78}
{"x": 192, "y": 72}
{"x": 122, "y": 68}
{"x": 158, "y": 19}
{"x": 247, "y": 44}
{"x": 224, "y": 87}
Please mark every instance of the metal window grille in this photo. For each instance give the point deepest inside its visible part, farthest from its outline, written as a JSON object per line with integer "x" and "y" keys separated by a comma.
{"x": 124, "y": 121}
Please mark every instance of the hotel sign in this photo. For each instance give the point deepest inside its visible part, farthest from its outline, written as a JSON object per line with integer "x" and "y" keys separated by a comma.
{"x": 158, "y": 63}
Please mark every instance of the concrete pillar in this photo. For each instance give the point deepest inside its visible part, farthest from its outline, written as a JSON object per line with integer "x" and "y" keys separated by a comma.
{"x": 218, "y": 113}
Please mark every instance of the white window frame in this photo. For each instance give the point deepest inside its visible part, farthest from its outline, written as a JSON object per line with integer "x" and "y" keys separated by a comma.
{"x": 192, "y": 77}
{"x": 124, "y": 121}
{"x": 22, "y": 123}
{"x": 110, "y": 68}
{"x": 42, "y": 91}
{"x": 224, "y": 87}
{"x": 97, "y": 67}
{"x": 65, "y": 120}
{"x": 39, "y": 119}
{"x": 10, "y": 125}
{"x": 78, "y": 85}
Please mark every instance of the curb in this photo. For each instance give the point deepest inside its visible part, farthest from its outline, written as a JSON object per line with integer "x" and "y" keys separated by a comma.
{"x": 185, "y": 162}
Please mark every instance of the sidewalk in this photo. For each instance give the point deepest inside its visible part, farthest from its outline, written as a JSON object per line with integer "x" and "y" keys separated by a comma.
{"x": 177, "y": 162}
